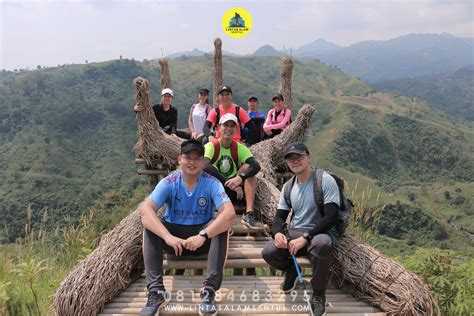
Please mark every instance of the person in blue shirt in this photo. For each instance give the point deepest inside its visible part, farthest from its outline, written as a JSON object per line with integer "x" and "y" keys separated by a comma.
{"x": 258, "y": 119}
{"x": 190, "y": 196}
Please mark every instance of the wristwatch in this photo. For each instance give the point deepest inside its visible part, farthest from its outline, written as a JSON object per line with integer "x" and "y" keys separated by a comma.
{"x": 203, "y": 233}
{"x": 307, "y": 237}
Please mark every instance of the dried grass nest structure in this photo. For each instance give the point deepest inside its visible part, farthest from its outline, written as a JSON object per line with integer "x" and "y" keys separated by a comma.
{"x": 357, "y": 268}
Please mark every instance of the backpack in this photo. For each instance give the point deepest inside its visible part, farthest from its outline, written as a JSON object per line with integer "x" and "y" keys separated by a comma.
{"x": 233, "y": 151}
{"x": 237, "y": 112}
{"x": 345, "y": 208}
{"x": 208, "y": 108}
{"x": 274, "y": 118}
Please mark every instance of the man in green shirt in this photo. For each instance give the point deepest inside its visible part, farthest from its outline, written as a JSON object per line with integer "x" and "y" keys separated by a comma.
{"x": 235, "y": 166}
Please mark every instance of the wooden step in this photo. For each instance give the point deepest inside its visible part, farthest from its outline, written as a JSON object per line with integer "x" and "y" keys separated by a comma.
{"x": 242, "y": 295}
{"x": 271, "y": 314}
{"x": 241, "y": 309}
{"x": 230, "y": 263}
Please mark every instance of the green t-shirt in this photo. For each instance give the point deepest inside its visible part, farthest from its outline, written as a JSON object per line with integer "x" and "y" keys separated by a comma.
{"x": 224, "y": 163}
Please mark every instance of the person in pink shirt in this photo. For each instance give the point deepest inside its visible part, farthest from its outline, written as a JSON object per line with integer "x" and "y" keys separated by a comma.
{"x": 278, "y": 118}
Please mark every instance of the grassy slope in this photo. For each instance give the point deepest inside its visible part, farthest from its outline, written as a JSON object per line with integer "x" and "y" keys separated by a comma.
{"x": 73, "y": 166}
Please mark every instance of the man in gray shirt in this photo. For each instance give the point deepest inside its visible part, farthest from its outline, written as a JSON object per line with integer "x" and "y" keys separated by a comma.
{"x": 311, "y": 234}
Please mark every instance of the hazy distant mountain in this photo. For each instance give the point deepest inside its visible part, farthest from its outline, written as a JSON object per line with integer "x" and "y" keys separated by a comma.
{"x": 194, "y": 52}
{"x": 226, "y": 53}
{"x": 408, "y": 56}
{"x": 317, "y": 47}
{"x": 450, "y": 93}
{"x": 197, "y": 52}
{"x": 412, "y": 55}
{"x": 267, "y": 50}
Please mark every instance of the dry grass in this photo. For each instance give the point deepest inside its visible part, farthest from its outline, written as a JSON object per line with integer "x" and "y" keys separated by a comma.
{"x": 165, "y": 79}
{"x": 105, "y": 273}
{"x": 378, "y": 280}
{"x": 286, "y": 71}
{"x": 218, "y": 79}
{"x": 154, "y": 145}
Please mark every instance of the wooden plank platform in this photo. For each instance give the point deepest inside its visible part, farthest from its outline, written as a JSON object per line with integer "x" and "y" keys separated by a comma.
{"x": 239, "y": 295}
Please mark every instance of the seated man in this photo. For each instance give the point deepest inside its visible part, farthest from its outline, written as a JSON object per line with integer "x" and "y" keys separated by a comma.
{"x": 258, "y": 119}
{"x": 311, "y": 234}
{"x": 235, "y": 166}
{"x": 226, "y": 106}
{"x": 187, "y": 227}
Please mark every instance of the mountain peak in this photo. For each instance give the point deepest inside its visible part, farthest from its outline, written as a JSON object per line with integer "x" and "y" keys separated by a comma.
{"x": 267, "y": 50}
{"x": 315, "y": 47}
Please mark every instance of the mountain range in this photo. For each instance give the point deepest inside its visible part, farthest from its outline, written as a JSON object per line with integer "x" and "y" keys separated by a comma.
{"x": 407, "y": 56}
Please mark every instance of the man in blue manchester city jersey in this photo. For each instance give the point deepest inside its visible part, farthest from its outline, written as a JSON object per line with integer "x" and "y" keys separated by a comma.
{"x": 190, "y": 196}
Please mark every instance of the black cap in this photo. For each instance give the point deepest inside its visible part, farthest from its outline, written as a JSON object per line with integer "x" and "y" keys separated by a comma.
{"x": 204, "y": 90}
{"x": 224, "y": 88}
{"x": 296, "y": 148}
{"x": 252, "y": 98}
{"x": 278, "y": 96}
{"x": 192, "y": 144}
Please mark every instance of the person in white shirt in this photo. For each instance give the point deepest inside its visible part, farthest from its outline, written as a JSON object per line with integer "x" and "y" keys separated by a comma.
{"x": 198, "y": 114}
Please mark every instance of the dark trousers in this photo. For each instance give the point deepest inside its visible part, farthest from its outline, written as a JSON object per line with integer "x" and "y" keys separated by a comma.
{"x": 274, "y": 133}
{"x": 153, "y": 247}
{"x": 318, "y": 252}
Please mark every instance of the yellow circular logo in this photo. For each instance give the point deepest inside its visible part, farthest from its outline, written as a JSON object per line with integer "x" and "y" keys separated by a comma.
{"x": 237, "y": 22}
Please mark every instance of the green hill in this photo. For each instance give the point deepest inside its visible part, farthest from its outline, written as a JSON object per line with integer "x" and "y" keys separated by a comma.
{"x": 453, "y": 94}
{"x": 67, "y": 137}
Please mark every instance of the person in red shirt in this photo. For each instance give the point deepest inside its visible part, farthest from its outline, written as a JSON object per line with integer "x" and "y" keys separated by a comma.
{"x": 226, "y": 106}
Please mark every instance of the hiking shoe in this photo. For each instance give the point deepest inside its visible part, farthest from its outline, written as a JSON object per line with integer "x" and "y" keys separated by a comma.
{"x": 248, "y": 219}
{"x": 318, "y": 304}
{"x": 156, "y": 301}
{"x": 291, "y": 278}
{"x": 208, "y": 302}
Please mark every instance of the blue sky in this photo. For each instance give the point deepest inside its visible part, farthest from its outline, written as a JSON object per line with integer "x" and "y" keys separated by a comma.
{"x": 49, "y": 32}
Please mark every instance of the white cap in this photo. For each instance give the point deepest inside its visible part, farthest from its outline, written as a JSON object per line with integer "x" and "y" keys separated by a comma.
{"x": 167, "y": 90}
{"x": 228, "y": 117}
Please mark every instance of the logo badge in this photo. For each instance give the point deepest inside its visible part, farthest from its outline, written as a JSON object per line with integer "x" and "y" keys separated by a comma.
{"x": 202, "y": 201}
{"x": 225, "y": 165}
{"x": 237, "y": 22}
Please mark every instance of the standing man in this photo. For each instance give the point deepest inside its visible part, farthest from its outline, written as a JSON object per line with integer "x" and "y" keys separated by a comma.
{"x": 235, "y": 166}
{"x": 190, "y": 196}
{"x": 226, "y": 106}
{"x": 311, "y": 235}
{"x": 258, "y": 118}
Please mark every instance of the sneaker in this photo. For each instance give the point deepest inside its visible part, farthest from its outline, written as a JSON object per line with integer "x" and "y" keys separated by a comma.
{"x": 248, "y": 219}
{"x": 208, "y": 302}
{"x": 156, "y": 301}
{"x": 290, "y": 281}
{"x": 318, "y": 304}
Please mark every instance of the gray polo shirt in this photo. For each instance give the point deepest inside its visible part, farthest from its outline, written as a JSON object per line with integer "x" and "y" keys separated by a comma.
{"x": 302, "y": 200}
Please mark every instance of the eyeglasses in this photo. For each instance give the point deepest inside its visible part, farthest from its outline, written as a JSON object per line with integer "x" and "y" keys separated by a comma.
{"x": 295, "y": 158}
{"x": 192, "y": 159}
